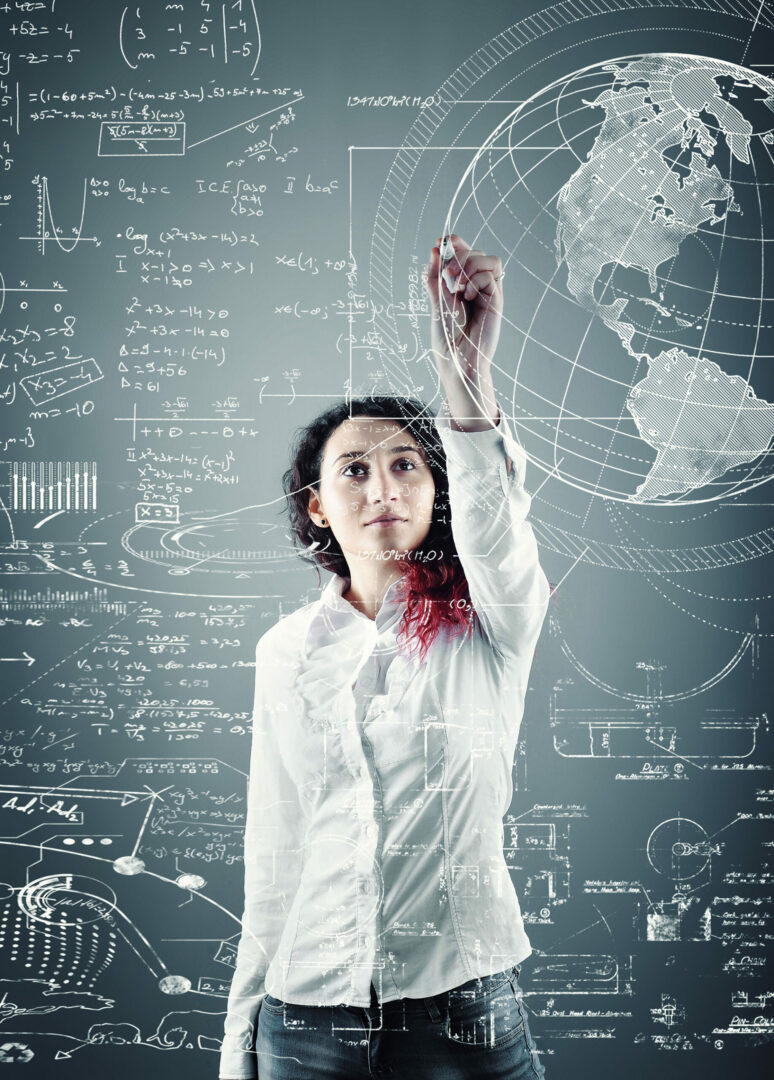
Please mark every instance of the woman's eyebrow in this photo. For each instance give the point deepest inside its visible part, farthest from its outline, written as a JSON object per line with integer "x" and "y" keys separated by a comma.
{"x": 362, "y": 453}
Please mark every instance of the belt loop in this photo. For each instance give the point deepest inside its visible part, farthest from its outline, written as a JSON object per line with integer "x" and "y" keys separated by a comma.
{"x": 432, "y": 1007}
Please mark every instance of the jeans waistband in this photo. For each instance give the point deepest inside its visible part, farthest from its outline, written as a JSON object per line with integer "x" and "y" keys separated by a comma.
{"x": 482, "y": 985}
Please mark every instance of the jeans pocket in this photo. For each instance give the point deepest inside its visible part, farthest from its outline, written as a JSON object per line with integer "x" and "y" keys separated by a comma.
{"x": 488, "y": 1021}
{"x": 270, "y": 1002}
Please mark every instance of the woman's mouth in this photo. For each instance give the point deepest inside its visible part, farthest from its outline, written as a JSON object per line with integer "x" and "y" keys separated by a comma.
{"x": 383, "y": 521}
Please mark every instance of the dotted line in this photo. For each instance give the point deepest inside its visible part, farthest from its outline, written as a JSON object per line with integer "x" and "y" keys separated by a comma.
{"x": 69, "y": 656}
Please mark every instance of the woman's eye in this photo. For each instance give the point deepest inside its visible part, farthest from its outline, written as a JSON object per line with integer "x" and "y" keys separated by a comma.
{"x": 358, "y": 465}
{"x": 353, "y": 465}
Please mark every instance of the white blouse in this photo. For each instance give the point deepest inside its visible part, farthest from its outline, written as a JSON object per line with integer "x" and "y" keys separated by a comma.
{"x": 377, "y": 789}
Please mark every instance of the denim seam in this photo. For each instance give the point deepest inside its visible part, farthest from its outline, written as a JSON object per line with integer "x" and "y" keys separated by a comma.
{"x": 526, "y": 1040}
{"x": 436, "y": 1016}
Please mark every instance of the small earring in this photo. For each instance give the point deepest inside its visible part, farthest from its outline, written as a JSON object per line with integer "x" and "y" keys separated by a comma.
{"x": 324, "y": 522}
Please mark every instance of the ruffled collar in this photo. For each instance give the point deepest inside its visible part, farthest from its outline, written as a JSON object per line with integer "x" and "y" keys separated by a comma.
{"x": 332, "y": 598}
{"x": 338, "y": 640}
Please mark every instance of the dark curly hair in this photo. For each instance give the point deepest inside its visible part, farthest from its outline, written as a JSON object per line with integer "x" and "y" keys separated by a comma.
{"x": 434, "y": 585}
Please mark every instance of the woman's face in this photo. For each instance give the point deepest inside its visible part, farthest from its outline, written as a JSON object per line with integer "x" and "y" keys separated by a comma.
{"x": 372, "y": 467}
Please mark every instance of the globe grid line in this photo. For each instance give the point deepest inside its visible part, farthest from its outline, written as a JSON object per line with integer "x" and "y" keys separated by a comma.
{"x": 388, "y": 359}
{"x": 529, "y": 336}
{"x": 517, "y": 36}
{"x": 592, "y": 320}
{"x": 713, "y": 299}
{"x": 677, "y": 109}
{"x": 620, "y": 77}
{"x": 659, "y": 190}
{"x": 501, "y": 48}
{"x": 709, "y": 312}
{"x": 754, "y": 355}
{"x": 575, "y": 362}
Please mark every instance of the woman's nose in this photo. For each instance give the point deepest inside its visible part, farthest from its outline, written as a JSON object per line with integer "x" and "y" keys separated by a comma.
{"x": 383, "y": 485}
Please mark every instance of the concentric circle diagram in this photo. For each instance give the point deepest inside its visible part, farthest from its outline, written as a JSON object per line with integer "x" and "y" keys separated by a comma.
{"x": 67, "y": 899}
{"x": 679, "y": 849}
{"x": 627, "y": 193}
{"x": 222, "y": 556}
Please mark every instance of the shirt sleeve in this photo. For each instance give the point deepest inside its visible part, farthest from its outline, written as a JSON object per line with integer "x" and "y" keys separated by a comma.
{"x": 494, "y": 540}
{"x": 272, "y": 857}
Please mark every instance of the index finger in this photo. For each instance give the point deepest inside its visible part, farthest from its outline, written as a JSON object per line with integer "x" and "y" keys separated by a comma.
{"x": 461, "y": 247}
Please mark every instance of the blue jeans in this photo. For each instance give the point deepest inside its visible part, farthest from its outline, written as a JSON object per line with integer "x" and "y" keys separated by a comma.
{"x": 475, "y": 1030}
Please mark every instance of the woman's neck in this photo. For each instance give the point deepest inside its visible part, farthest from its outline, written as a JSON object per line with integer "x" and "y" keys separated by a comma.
{"x": 368, "y": 585}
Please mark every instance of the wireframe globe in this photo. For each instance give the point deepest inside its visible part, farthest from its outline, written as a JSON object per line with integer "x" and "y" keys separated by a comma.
{"x": 632, "y": 205}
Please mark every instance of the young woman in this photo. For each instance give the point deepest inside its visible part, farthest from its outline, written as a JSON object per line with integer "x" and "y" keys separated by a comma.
{"x": 382, "y": 934}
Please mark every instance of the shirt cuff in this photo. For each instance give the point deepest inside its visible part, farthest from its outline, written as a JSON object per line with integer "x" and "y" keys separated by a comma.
{"x": 480, "y": 450}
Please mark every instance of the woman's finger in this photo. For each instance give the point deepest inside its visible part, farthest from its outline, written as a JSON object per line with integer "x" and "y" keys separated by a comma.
{"x": 478, "y": 261}
{"x": 453, "y": 308}
{"x": 430, "y": 277}
{"x": 484, "y": 281}
{"x": 461, "y": 247}
{"x": 452, "y": 266}
{"x": 446, "y": 304}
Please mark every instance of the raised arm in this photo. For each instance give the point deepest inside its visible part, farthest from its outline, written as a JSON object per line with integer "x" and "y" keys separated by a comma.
{"x": 272, "y": 853}
{"x": 494, "y": 540}
{"x": 486, "y": 463}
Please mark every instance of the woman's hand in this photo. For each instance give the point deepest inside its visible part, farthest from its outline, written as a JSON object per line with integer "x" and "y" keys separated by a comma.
{"x": 465, "y": 327}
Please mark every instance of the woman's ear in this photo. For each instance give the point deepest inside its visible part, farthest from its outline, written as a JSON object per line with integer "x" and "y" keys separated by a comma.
{"x": 314, "y": 507}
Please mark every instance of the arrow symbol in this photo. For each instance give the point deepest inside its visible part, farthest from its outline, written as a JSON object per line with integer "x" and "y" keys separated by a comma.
{"x": 26, "y": 658}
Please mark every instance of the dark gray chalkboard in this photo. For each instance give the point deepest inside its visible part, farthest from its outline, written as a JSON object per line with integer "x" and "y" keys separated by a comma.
{"x": 213, "y": 217}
